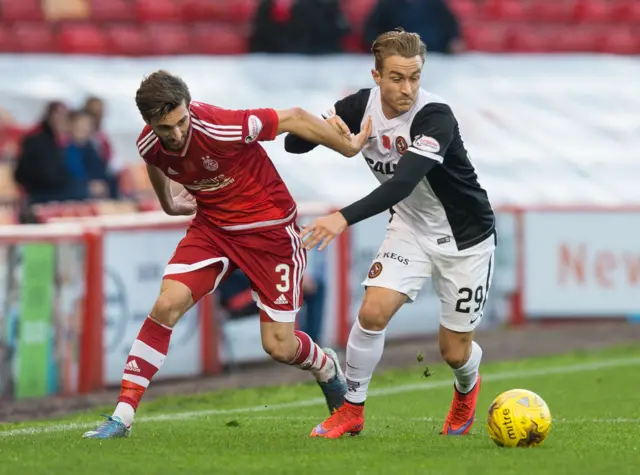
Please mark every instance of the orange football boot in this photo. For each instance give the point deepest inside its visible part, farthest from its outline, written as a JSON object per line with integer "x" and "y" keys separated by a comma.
{"x": 349, "y": 418}
{"x": 462, "y": 412}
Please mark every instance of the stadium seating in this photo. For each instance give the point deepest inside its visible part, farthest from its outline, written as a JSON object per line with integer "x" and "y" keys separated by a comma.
{"x": 32, "y": 37}
{"x": 20, "y": 10}
{"x": 488, "y": 25}
{"x": 157, "y": 10}
{"x": 112, "y": 11}
{"x": 85, "y": 38}
{"x": 127, "y": 40}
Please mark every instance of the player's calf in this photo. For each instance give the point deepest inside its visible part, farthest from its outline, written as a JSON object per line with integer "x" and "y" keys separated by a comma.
{"x": 146, "y": 357}
{"x": 463, "y": 355}
{"x": 287, "y": 345}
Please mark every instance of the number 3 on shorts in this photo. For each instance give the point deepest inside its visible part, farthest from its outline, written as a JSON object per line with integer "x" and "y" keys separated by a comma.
{"x": 285, "y": 271}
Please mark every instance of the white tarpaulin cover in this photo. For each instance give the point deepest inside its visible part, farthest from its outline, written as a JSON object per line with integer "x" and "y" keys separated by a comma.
{"x": 541, "y": 129}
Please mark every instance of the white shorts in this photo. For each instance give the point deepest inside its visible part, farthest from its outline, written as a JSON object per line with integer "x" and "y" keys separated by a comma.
{"x": 460, "y": 279}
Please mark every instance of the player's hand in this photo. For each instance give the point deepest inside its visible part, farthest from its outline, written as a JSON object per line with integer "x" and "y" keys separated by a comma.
{"x": 339, "y": 125}
{"x": 184, "y": 204}
{"x": 356, "y": 142}
{"x": 323, "y": 230}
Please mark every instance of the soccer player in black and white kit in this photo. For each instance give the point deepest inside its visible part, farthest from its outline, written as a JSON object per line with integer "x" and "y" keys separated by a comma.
{"x": 442, "y": 227}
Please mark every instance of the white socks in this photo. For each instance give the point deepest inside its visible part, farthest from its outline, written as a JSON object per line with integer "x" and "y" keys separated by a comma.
{"x": 125, "y": 412}
{"x": 364, "y": 351}
{"x": 467, "y": 375}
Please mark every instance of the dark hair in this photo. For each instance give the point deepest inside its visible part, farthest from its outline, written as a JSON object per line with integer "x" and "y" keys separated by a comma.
{"x": 160, "y": 93}
{"x": 51, "y": 108}
{"x": 397, "y": 43}
{"x": 92, "y": 99}
{"x": 78, "y": 114}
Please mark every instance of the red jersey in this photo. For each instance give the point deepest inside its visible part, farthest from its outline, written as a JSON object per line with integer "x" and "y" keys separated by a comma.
{"x": 233, "y": 180}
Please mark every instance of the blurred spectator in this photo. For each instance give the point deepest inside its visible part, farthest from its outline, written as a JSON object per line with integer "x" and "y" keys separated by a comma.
{"x": 94, "y": 106}
{"x": 87, "y": 169}
{"x": 57, "y": 160}
{"x": 431, "y": 19}
{"x": 41, "y": 163}
{"x": 299, "y": 26}
{"x": 10, "y": 134}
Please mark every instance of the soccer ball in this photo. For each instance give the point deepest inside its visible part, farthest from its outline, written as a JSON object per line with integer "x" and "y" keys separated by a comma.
{"x": 519, "y": 418}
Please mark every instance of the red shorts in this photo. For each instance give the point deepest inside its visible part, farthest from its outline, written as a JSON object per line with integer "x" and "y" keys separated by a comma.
{"x": 274, "y": 261}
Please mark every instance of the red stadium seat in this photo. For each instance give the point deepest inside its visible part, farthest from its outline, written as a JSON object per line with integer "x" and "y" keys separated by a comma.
{"x": 620, "y": 40}
{"x": 242, "y": 11}
{"x": 168, "y": 38}
{"x": 465, "y": 9}
{"x": 354, "y": 43}
{"x": 528, "y": 39}
{"x": 553, "y": 11}
{"x": 83, "y": 38}
{"x": 7, "y": 41}
{"x": 112, "y": 10}
{"x": 510, "y": 10}
{"x": 34, "y": 38}
{"x": 627, "y": 12}
{"x": 573, "y": 39}
{"x": 157, "y": 10}
{"x": 489, "y": 37}
{"x": 218, "y": 39}
{"x": 20, "y": 10}
{"x": 127, "y": 40}
{"x": 357, "y": 11}
{"x": 205, "y": 10}
{"x": 593, "y": 11}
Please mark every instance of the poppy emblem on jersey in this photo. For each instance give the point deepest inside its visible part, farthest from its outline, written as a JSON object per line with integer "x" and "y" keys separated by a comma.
{"x": 209, "y": 163}
{"x": 375, "y": 270}
{"x": 254, "y": 126}
{"x": 401, "y": 145}
{"x": 386, "y": 142}
{"x": 426, "y": 144}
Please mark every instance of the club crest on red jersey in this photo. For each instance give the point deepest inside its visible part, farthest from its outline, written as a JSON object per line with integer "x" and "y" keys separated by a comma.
{"x": 209, "y": 163}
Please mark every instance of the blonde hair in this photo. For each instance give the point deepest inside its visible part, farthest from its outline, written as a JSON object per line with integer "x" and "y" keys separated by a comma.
{"x": 397, "y": 43}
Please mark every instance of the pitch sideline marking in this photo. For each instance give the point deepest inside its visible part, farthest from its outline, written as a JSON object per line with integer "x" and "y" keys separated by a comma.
{"x": 425, "y": 386}
{"x": 561, "y": 420}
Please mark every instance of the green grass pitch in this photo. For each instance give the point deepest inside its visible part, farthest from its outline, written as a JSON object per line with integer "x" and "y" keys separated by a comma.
{"x": 593, "y": 399}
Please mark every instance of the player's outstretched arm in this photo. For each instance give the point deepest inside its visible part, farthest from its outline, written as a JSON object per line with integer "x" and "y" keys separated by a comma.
{"x": 297, "y": 145}
{"x": 411, "y": 169}
{"x": 345, "y": 116}
{"x": 301, "y": 123}
{"x": 182, "y": 204}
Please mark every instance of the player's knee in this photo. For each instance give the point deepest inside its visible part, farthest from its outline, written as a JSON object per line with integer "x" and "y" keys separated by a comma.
{"x": 373, "y": 316}
{"x": 455, "y": 358}
{"x": 167, "y": 310}
{"x": 455, "y": 351}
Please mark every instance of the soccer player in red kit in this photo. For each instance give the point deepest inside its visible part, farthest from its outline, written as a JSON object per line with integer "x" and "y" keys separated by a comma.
{"x": 244, "y": 218}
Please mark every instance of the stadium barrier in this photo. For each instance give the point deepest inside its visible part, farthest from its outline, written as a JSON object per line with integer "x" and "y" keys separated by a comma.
{"x": 73, "y": 294}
